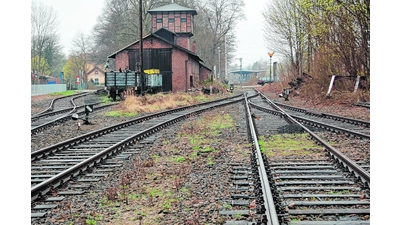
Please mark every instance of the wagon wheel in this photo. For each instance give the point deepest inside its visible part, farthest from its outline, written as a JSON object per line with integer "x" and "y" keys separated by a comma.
{"x": 122, "y": 96}
{"x": 113, "y": 95}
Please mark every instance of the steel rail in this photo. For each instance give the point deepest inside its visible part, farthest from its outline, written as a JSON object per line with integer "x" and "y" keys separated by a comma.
{"x": 51, "y": 106}
{"x": 56, "y": 147}
{"x": 271, "y": 214}
{"x": 325, "y": 115}
{"x": 50, "y": 113}
{"x": 348, "y": 163}
{"x": 44, "y": 187}
{"x": 312, "y": 122}
{"x": 59, "y": 119}
{"x": 331, "y": 127}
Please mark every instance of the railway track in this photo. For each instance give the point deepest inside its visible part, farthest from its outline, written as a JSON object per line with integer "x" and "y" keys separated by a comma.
{"x": 61, "y": 109}
{"x": 363, "y": 104}
{"x": 278, "y": 187}
{"x": 314, "y": 185}
{"x": 54, "y": 166}
{"x": 317, "y": 185}
{"x": 343, "y": 123}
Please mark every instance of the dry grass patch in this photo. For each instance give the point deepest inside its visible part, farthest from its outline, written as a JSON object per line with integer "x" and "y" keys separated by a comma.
{"x": 160, "y": 102}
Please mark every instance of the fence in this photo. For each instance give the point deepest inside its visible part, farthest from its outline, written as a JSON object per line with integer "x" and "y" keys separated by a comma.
{"x": 43, "y": 89}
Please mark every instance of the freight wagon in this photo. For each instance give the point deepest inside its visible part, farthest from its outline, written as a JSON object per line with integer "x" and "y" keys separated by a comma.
{"x": 120, "y": 83}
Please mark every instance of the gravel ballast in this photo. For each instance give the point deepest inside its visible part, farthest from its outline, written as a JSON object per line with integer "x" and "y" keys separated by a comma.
{"x": 163, "y": 188}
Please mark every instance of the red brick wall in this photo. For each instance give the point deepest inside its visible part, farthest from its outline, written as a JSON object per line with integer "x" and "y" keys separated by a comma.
{"x": 180, "y": 77}
{"x": 183, "y": 41}
{"x": 179, "y": 80}
{"x": 121, "y": 60}
{"x": 177, "y": 26}
{"x": 204, "y": 74}
{"x": 194, "y": 72}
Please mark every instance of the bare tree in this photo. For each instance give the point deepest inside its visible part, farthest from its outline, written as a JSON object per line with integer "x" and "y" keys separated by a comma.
{"x": 119, "y": 25}
{"x": 216, "y": 23}
{"x": 285, "y": 32}
{"x": 113, "y": 31}
{"x": 44, "y": 38}
{"x": 321, "y": 37}
{"x": 83, "y": 46}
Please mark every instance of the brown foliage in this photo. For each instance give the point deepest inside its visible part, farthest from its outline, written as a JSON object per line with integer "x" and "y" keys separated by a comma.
{"x": 111, "y": 193}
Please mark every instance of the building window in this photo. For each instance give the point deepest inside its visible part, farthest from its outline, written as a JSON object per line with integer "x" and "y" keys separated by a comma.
{"x": 159, "y": 20}
{"x": 183, "y": 20}
{"x": 96, "y": 81}
{"x": 171, "y": 20}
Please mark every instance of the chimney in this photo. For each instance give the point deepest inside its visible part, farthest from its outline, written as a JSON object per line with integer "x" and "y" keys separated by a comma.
{"x": 194, "y": 46}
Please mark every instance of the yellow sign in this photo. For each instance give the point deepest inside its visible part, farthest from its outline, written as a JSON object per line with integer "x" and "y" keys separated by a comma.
{"x": 152, "y": 71}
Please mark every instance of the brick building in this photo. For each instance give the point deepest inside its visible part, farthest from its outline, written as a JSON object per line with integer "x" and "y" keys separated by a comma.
{"x": 168, "y": 48}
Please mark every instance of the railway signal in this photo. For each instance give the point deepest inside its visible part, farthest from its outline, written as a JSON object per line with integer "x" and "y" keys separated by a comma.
{"x": 88, "y": 109}
{"x": 270, "y": 65}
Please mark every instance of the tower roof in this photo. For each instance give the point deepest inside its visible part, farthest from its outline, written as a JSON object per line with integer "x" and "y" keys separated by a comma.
{"x": 173, "y": 8}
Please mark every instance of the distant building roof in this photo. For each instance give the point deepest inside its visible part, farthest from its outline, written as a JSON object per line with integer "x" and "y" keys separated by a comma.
{"x": 96, "y": 67}
{"x": 172, "y": 8}
{"x": 246, "y": 71}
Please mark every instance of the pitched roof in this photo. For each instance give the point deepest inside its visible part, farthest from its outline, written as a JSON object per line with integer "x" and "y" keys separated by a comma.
{"x": 94, "y": 68}
{"x": 158, "y": 37}
{"x": 172, "y": 8}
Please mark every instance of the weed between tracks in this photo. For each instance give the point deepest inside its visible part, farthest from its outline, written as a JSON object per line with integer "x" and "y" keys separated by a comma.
{"x": 287, "y": 144}
{"x": 155, "y": 186}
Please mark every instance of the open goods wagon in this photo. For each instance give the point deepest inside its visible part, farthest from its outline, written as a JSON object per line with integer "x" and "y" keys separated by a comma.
{"x": 122, "y": 83}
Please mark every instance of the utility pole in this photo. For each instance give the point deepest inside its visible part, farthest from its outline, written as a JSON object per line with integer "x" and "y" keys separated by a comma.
{"x": 141, "y": 48}
{"x": 219, "y": 62}
{"x": 240, "y": 78}
{"x": 226, "y": 61}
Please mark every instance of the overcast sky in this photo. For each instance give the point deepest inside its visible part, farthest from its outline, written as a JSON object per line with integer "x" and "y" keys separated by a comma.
{"x": 76, "y": 15}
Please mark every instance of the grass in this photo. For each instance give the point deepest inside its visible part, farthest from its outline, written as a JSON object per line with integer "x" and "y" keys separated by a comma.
{"x": 64, "y": 93}
{"x": 156, "y": 156}
{"x": 227, "y": 206}
{"x": 210, "y": 161}
{"x": 166, "y": 206}
{"x": 180, "y": 159}
{"x": 331, "y": 192}
{"x": 206, "y": 127}
{"x": 206, "y": 149}
{"x": 120, "y": 114}
{"x": 155, "y": 193}
{"x": 105, "y": 99}
{"x": 92, "y": 220}
{"x": 160, "y": 187}
{"x": 287, "y": 144}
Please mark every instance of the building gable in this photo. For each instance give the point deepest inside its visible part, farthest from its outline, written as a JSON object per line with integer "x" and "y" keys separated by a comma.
{"x": 166, "y": 35}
